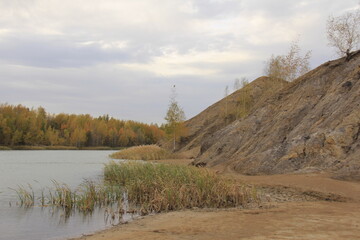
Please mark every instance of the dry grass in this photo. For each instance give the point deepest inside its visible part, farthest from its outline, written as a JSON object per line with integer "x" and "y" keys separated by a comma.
{"x": 163, "y": 187}
{"x": 26, "y": 196}
{"x": 26, "y": 147}
{"x": 149, "y": 187}
{"x": 145, "y": 152}
{"x": 57, "y": 147}
{"x": 85, "y": 198}
{"x": 4, "y": 148}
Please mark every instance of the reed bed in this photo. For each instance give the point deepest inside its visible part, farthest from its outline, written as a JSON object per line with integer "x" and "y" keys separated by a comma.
{"x": 26, "y": 195}
{"x": 163, "y": 187}
{"x": 150, "y": 187}
{"x": 144, "y": 152}
{"x": 84, "y": 198}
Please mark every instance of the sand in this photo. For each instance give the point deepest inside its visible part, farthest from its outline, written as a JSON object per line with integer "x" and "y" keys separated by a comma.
{"x": 303, "y": 206}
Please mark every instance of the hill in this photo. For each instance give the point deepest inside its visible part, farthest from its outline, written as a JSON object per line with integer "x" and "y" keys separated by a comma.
{"x": 236, "y": 106}
{"x": 311, "y": 124}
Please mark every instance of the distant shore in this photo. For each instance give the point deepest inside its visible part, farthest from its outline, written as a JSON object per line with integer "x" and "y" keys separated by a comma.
{"x": 57, "y": 148}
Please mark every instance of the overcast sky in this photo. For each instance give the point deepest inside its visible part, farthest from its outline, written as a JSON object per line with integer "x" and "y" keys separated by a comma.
{"x": 121, "y": 57}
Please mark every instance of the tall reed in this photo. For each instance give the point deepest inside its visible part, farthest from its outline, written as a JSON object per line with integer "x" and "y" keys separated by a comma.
{"x": 148, "y": 186}
{"x": 163, "y": 187}
{"x": 26, "y": 195}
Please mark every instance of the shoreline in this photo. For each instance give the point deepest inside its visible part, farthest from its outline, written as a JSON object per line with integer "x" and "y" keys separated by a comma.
{"x": 25, "y": 147}
{"x": 319, "y": 220}
{"x": 300, "y": 207}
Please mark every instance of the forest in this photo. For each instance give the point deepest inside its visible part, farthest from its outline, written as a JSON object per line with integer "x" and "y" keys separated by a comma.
{"x": 20, "y": 126}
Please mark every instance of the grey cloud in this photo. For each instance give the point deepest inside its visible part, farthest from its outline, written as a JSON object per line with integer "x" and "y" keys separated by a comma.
{"x": 85, "y": 78}
{"x": 44, "y": 52}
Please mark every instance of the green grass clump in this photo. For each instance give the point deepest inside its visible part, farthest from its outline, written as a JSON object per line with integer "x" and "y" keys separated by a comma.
{"x": 163, "y": 187}
{"x": 145, "y": 152}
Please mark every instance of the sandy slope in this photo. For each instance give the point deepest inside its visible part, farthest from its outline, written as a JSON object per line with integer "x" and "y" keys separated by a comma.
{"x": 297, "y": 210}
{"x": 311, "y": 124}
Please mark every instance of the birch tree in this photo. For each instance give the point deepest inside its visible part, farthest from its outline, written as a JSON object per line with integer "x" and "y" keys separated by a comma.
{"x": 289, "y": 66}
{"x": 175, "y": 118}
{"x": 237, "y": 84}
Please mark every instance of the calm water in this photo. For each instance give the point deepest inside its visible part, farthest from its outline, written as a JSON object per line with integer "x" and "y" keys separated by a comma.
{"x": 39, "y": 168}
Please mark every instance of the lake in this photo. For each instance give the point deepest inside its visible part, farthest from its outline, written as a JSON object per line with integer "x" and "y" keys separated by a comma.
{"x": 39, "y": 168}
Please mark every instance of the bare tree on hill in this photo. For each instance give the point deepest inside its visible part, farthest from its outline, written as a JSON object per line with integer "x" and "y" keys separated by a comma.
{"x": 343, "y": 32}
{"x": 226, "y": 93}
{"x": 237, "y": 84}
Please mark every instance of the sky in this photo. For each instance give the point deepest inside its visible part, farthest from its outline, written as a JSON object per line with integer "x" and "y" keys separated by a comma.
{"x": 122, "y": 57}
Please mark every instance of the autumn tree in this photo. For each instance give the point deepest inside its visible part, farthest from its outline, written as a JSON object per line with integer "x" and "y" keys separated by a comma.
{"x": 243, "y": 82}
{"x": 343, "y": 32}
{"x": 175, "y": 118}
{"x": 23, "y": 126}
{"x": 290, "y": 66}
{"x": 51, "y": 136}
{"x": 226, "y": 94}
{"x": 237, "y": 84}
{"x": 244, "y": 100}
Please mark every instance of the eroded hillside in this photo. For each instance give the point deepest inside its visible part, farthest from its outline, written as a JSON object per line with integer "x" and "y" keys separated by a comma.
{"x": 312, "y": 124}
{"x": 234, "y": 107}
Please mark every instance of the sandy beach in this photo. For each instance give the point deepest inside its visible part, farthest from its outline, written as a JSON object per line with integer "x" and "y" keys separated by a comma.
{"x": 307, "y": 206}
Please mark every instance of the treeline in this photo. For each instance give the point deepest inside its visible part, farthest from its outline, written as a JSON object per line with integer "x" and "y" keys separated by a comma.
{"x": 20, "y": 125}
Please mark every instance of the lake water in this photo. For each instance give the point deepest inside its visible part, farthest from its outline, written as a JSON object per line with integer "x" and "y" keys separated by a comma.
{"x": 39, "y": 168}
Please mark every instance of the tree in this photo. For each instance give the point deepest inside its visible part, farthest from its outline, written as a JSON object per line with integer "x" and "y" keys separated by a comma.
{"x": 175, "y": 117}
{"x": 23, "y": 126}
{"x": 245, "y": 98}
{"x": 290, "y": 66}
{"x": 51, "y": 136}
{"x": 78, "y": 137}
{"x": 343, "y": 32}
{"x": 237, "y": 84}
{"x": 243, "y": 82}
{"x": 226, "y": 93}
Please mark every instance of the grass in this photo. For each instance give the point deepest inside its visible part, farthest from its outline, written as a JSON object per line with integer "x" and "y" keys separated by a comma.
{"x": 4, "y": 148}
{"x": 144, "y": 152}
{"x": 164, "y": 187}
{"x": 26, "y": 195}
{"x": 84, "y": 198}
{"x": 27, "y": 147}
{"x": 101, "y": 148}
{"x": 148, "y": 186}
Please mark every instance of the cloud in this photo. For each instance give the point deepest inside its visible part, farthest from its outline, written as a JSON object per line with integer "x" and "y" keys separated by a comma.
{"x": 40, "y": 51}
{"x": 122, "y": 57}
{"x": 192, "y": 63}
